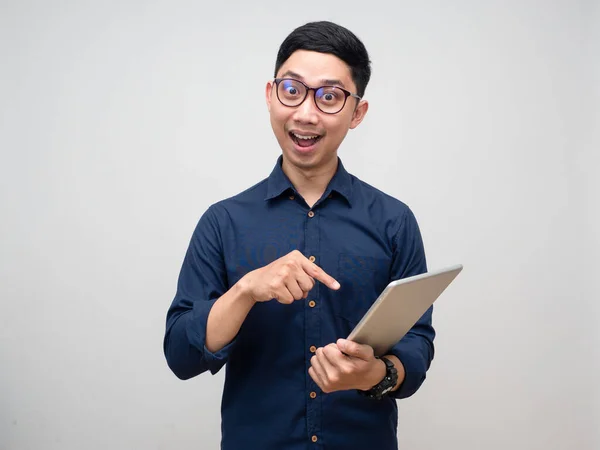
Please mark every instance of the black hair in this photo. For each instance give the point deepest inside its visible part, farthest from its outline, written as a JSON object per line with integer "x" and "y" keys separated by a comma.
{"x": 328, "y": 37}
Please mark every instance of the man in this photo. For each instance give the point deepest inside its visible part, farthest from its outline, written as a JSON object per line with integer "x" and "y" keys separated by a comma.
{"x": 276, "y": 276}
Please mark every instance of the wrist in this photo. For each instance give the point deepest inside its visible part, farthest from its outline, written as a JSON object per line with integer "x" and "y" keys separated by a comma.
{"x": 376, "y": 374}
{"x": 243, "y": 291}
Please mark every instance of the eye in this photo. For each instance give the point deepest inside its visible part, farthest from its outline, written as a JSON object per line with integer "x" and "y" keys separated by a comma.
{"x": 290, "y": 88}
{"x": 330, "y": 95}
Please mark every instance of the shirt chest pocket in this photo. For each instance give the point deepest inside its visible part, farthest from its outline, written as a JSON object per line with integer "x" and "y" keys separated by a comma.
{"x": 362, "y": 279}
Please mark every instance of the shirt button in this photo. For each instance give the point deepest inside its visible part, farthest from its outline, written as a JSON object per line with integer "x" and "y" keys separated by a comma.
{"x": 311, "y": 214}
{"x": 313, "y": 395}
{"x": 312, "y": 303}
{"x": 311, "y": 258}
{"x": 292, "y": 197}
{"x": 313, "y": 349}
{"x": 314, "y": 439}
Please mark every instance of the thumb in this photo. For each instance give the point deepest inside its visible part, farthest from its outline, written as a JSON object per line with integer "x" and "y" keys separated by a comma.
{"x": 354, "y": 349}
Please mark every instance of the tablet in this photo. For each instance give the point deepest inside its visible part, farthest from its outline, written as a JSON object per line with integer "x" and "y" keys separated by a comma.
{"x": 399, "y": 307}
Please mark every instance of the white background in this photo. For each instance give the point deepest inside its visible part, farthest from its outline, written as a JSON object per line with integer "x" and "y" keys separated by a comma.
{"x": 121, "y": 122}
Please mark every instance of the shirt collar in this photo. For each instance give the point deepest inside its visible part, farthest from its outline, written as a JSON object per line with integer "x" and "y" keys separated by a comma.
{"x": 278, "y": 182}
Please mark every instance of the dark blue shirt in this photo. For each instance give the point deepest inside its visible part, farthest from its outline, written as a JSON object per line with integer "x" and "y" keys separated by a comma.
{"x": 357, "y": 234}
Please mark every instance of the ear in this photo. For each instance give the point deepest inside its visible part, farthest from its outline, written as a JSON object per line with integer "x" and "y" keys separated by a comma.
{"x": 268, "y": 96}
{"x": 359, "y": 113}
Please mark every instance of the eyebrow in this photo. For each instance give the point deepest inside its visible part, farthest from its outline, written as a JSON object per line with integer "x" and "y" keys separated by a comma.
{"x": 290, "y": 73}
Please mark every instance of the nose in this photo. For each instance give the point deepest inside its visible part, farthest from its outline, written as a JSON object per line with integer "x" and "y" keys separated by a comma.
{"x": 307, "y": 112}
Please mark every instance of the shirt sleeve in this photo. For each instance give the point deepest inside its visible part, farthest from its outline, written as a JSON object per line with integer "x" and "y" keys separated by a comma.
{"x": 416, "y": 349}
{"x": 202, "y": 280}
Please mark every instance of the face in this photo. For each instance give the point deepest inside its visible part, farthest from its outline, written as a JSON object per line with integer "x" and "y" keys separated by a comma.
{"x": 291, "y": 124}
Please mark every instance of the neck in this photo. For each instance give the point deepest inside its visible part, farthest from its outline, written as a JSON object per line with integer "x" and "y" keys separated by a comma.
{"x": 310, "y": 183}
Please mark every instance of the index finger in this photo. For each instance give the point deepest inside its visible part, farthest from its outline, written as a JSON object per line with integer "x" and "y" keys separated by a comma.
{"x": 316, "y": 272}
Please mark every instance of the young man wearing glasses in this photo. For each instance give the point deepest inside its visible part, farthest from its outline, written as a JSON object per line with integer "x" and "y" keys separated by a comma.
{"x": 276, "y": 277}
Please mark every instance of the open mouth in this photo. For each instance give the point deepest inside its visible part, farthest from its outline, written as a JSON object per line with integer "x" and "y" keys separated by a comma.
{"x": 305, "y": 140}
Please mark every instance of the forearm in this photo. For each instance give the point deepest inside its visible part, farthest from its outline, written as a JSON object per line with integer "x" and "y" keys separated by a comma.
{"x": 226, "y": 317}
{"x": 415, "y": 352}
{"x": 196, "y": 335}
{"x": 184, "y": 354}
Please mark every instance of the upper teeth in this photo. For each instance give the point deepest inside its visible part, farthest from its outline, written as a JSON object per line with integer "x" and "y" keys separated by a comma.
{"x": 304, "y": 137}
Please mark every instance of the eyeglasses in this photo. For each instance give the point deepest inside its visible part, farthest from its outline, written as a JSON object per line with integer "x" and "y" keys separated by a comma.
{"x": 329, "y": 99}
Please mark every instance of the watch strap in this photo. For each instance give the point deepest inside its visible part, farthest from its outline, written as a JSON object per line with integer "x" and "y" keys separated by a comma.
{"x": 387, "y": 384}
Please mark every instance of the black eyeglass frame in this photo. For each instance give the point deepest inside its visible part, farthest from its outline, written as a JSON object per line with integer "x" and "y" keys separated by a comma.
{"x": 308, "y": 88}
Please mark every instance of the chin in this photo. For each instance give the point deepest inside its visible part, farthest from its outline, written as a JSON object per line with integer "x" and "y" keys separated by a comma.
{"x": 308, "y": 161}
{"x": 300, "y": 160}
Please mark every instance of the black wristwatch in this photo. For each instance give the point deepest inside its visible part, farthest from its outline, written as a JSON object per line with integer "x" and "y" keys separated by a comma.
{"x": 386, "y": 385}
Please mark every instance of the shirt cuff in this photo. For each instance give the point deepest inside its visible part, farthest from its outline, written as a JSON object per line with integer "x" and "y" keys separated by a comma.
{"x": 414, "y": 369}
{"x": 196, "y": 331}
